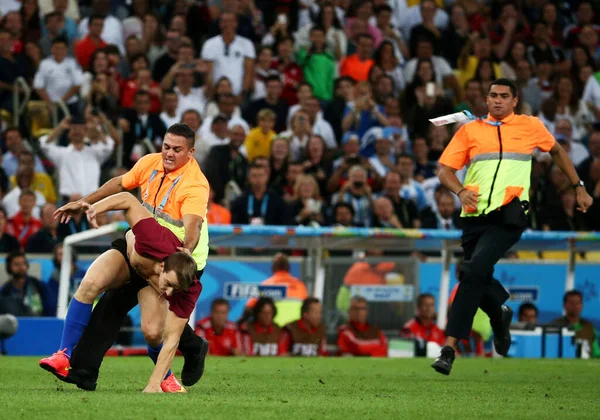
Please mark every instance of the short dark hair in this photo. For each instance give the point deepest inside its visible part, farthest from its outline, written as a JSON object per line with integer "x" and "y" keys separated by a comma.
{"x": 112, "y": 49}
{"x": 60, "y": 40}
{"x": 526, "y": 307}
{"x": 572, "y": 293}
{"x": 405, "y": 155}
{"x": 306, "y": 304}
{"x": 94, "y": 17}
{"x": 503, "y": 81}
{"x": 424, "y": 296}
{"x": 26, "y": 152}
{"x": 183, "y": 130}
{"x": 383, "y": 8}
{"x": 141, "y": 92}
{"x": 273, "y": 78}
{"x": 217, "y": 302}
{"x": 344, "y": 205}
{"x": 51, "y": 15}
{"x": 317, "y": 28}
{"x": 184, "y": 267}
{"x": 26, "y": 192}
{"x": 280, "y": 262}
{"x": 255, "y": 165}
{"x": 169, "y": 92}
{"x": 364, "y": 35}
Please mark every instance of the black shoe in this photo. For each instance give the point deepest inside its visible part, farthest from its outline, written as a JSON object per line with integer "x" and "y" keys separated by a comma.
{"x": 501, "y": 331}
{"x": 443, "y": 364}
{"x": 193, "y": 365}
{"x": 83, "y": 378}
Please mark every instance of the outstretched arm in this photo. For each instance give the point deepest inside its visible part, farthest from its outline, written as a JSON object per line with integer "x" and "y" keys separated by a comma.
{"x": 134, "y": 211}
{"x": 173, "y": 328}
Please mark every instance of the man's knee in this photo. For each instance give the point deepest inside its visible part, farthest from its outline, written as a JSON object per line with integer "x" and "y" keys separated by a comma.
{"x": 153, "y": 334}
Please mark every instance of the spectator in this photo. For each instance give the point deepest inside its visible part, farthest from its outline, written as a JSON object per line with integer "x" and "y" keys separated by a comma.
{"x": 44, "y": 240}
{"x": 11, "y": 68}
{"x": 337, "y": 42}
{"x": 59, "y": 77}
{"x": 225, "y": 164}
{"x": 112, "y": 32}
{"x": 189, "y": 97}
{"x": 358, "y": 65}
{"x": 294, "y": 170}
{"x": 258, "y": 206}
{"x": 350, "y": 157}
{"x": 261, "y": 335}
{"x": 531, "y": 94}
{"x": 23, "y": 225}
{"x": 358, "y": 337}
{"x": 153, "y": 38}
{"x": 363, "y": 113}
{"x": 307, "y": 206}
{"x": 40, "y": 181}
{"x": 565, "y": 217}
{"x": 584, "y": 329}
{"x": 456, "y": 36}
{"x": 225, "y": 104}
{"x": 474, "y": 99}
{"x": 222, "y": 335}
{"x": 343, "y": 216}
{"x": 563, "y": 129}
{"x": 53, "y": 284}
{"x": 511, "y": 27}
{"x": 306, "y": 336}
{"x": 92, "y": 41}
{"x": 290, "y": 72}
{"x": 217, "y": 214}
{"x": 78, "y": 222}
{"x": 424, "y": 168}
{"x": 70, "y": 12}
{"x": 318, "y": 65}
{"x": 388, "y": 61}
{"x": 405, "y": 210}
{"x": 142, "y": 81}
{"x": 508, "y": 67}
{"x": 11, "y": 201}
{"x": 343, "y": 94}
{"x": 383, "y": 13}
{"x": 8, "y": 243}
{"x": 316, "y": 163}
{"x": 411, "y": 189}
{"x": 427, "y": 28}
{"x": 423, "y": 325}
{"x": 587, "y": 170}
{"x": 320, "y": 127}
{"x": 258, "y": 142}
{"x": 272, "y": 101}
{"x": 15, "y": 145}
{"x": 357, "y": 193}
{"x": 528, "y": 313}
{"x": 230, "y": 55}
{"x": 262, "y": 70}
{"x": 278, "y": 163}
{"x": 143, "y": 131}
{"x": 245, "y": 26}
{"x": 28, "y": 291}
{"x": 169, "y": 115}
{"x": 218, "y": 136}
{"x": 383, "y": 160}
{"x": 384, "y": 214}
{"x": 166, "y": 61}
{"x": 78, "y": 163}
{"x": 445, "y": 216}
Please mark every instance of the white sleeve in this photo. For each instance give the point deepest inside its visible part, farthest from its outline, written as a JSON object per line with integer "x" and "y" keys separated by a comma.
{"x": 77, "y": 73}
{"x": 249, "y": 50}
{"x": 409, "y": 70}
{"x": 83, "y": 28}
{"x": 39, "y": 78}
{"x": 443, "y": 67}
{"x": 53, "y": 151}
{"x": 208, "y": 50}
{"x": 328, "y": 135}
{"x": 102, "y": 151}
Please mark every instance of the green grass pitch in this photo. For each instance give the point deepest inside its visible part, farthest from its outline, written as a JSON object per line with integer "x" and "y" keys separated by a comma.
{"x": 277, "y": 388}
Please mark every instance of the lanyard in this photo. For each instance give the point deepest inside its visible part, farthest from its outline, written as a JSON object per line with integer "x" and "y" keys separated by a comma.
{"x": 24, "y": 232}
{"x": 73, "y": 228}
{"x": 138, "y": 131}
{"x": 263, "y": 205}
{"x": 163, "y": 203}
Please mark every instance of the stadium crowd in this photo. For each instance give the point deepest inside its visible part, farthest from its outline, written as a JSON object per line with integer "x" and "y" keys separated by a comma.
{"x": 310, "y": 112}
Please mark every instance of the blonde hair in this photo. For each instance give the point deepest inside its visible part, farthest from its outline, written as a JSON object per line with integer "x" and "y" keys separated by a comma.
{"x": 265, "y": 114}
{"x": 301, "y": 179}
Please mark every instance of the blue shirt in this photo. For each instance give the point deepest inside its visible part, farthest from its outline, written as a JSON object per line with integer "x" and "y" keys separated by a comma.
{"x": 10, "y": 162}
{"x": 367, "y": 120}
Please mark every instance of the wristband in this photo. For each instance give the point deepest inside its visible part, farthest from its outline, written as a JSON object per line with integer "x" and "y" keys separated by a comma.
{"x": 458, "y": 193}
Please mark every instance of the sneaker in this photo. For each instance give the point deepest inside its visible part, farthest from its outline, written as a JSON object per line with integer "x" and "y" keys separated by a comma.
{"x": 58, "y": 364}
{"x": 83, "y": 378}
{"x": 171, "y": 384}
{"x": 193, "y": 365}
{"x": 502, "y": 339}
{"x": 443, "y": 364}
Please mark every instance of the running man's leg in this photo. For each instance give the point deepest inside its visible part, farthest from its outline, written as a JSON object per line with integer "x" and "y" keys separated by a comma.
{"x": 153, "y": 312}
{"x": 108, "y": 270}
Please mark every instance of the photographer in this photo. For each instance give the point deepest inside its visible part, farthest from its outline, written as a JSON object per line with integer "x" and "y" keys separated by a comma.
{"x": 351, "y": 157}
{"x": 357, "y": 192}
{"x": 363, "y": 113}
{"x": 307, "y": 205}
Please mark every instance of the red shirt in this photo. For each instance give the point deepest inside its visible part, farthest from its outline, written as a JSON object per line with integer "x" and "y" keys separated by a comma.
{"x": 355, "y": 339}
{"x": 84, "y": 49}
{"x": 130, "y": 88}
{"x": 292, "y": 75}
{"x": 415, "y": 329}
{"x": 222, "y": 343}
{"x": 286, "y": 344}
{"x": 155, "y": 241}
{"x": 269, "y": 348}
{"x": 22, "y": 230}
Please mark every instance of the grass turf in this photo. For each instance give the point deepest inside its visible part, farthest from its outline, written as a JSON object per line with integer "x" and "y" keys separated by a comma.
{"x": 313, "y": 389}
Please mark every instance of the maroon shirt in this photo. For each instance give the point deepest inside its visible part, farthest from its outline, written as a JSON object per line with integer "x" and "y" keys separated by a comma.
{"x": 155, "y": 241}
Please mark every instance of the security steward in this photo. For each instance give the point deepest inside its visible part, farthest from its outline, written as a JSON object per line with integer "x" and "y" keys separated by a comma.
{"x": 173, "y": 188}
{"x": 494, "y": 197}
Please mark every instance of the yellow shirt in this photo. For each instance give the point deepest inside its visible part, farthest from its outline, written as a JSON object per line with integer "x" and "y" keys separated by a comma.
{"x": 258, "y": 143}
{"x": 411, "y": 3}
{"x": 42, "y": 183}
{"x": 470, "y": 68}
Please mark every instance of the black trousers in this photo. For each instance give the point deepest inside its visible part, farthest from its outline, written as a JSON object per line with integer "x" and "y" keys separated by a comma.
{"x": 484, "y": 241}
{"x": 105, "y": 322}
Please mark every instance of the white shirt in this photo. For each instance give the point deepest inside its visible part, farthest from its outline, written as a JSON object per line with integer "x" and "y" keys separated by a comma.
{"x": 194, "y": 100}
{"x": 58, "y": 78}
{"x": 324, "y": 129}
{"x": 78, "y": 170}
{"x": 206, "y": 127}
{"x": 232, "y": 64}
{"x": 203, "y": 145}
{"x": 295, "y": 108}
{"x": 168, "y": 121}
{"x": 405, "y": 18}
{"x": 297, "y": 145}
{"x": 440, "y": 67}
{"x": 112, "y": 33}
{"x": 47, "y": 6}
{"x": 11, "y": 202}
{"x": 591, "y": 91}
{"x": 7, "y": 6}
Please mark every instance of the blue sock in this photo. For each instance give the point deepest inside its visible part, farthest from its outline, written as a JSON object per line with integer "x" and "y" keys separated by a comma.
{"x": 78, "y": 316}
{"x": 153, "y": 354}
